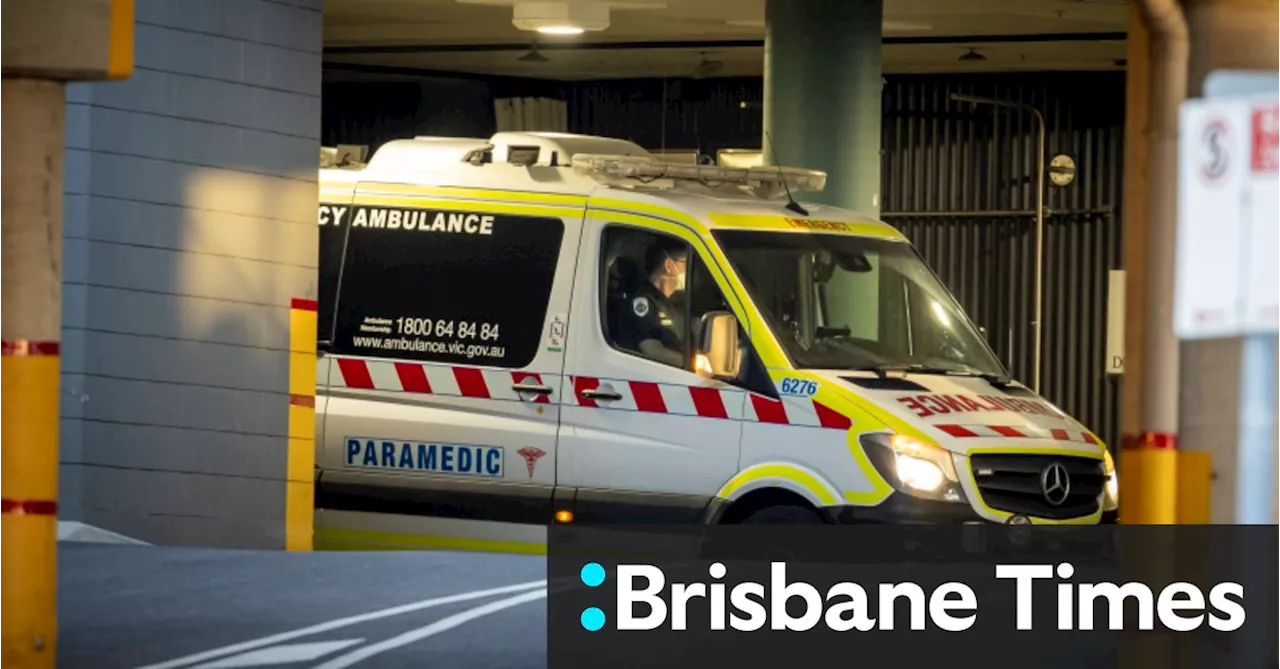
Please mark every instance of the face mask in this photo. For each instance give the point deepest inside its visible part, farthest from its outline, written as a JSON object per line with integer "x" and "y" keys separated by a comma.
{"x": 678, "y": 277}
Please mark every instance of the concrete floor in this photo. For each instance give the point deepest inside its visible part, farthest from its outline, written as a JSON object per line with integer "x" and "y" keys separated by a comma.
{"x": 177, "y": 608}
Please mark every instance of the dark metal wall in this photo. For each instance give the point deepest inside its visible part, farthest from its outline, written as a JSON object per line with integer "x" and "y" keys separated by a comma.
{"x": 960, "y": 181}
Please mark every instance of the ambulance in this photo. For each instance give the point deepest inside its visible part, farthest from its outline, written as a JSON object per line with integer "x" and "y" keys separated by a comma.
{"x": 479, "y": 304}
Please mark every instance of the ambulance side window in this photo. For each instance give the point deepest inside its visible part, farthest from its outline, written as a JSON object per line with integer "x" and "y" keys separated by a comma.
{"x": 635, "y": 309}
{"x": 636, "y": 303}
{"x": 454, "y": 287}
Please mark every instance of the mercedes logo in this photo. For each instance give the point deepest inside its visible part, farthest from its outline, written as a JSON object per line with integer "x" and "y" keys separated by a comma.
{"x": 1055, "y": 483}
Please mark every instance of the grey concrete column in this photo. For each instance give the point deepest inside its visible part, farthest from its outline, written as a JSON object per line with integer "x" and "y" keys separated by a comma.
{"x": 190, "y": 200}
{"x": 822, "y": 87}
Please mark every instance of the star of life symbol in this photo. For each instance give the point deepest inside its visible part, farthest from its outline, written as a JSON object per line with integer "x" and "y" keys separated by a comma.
{"x": 531, "y": 455}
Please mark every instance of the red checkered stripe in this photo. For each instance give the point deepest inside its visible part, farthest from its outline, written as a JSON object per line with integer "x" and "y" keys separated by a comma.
{"x": 1021, "y": 432}
{"x": 644, "y": 396}
{"x": 704, "y": 402}
{"x": 445, "y": 380}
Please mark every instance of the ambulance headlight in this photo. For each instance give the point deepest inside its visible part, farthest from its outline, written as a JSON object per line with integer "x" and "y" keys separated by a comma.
{"x": 1111, "y": 490}
{"x": 914, "y": 467}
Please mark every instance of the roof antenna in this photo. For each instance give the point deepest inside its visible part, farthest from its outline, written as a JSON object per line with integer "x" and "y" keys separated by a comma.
{"x": 792, "y": 205}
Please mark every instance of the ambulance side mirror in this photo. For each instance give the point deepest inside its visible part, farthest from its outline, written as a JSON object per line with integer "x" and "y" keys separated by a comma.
{"x": 721, "y": 354}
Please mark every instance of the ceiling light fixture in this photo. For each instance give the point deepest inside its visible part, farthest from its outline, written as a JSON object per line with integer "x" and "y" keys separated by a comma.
{"x": 568, "y": 17}
{"x": 561, "y": 30}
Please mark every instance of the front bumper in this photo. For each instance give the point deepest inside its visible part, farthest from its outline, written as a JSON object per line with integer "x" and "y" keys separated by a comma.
{"x": 900, "y": 508}
{"x": 903, "y": 509}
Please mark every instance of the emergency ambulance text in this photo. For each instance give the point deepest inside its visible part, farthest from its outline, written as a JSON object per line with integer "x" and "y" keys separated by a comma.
{"x": 928, "y": 405}
{"x": 407, "y": 219}
{"x": 952, "y": 606}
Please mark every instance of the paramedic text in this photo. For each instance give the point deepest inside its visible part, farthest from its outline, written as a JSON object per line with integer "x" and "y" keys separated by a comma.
{"x": 952, "y": 607}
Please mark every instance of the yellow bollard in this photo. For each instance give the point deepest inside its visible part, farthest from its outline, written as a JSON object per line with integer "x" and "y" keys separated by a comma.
{"x": 300, "y": 480}
{"x": 1149, "y": 480}
{"x": 29, "y": 523}
{"x": 1195, "y": 482}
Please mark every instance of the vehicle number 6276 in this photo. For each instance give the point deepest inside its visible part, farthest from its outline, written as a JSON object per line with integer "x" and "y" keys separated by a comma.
{"x": 801, "y": 387}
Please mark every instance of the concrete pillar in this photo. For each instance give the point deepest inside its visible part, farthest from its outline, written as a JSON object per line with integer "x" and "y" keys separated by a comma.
{"x": 1156, "y": 86}
{"x": 29, "y": 298}
{"x": 1137, "y": 150}
{"x": 822, "y": 87}
{"x": 190, "y": 197}
{"x": 1225, "y": 34}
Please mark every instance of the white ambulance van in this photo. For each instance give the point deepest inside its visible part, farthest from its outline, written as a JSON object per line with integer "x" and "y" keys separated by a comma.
{"x": 535, "y": 327}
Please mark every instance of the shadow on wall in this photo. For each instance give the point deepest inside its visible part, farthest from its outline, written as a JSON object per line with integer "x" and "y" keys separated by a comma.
{"x": 184, "y": 396}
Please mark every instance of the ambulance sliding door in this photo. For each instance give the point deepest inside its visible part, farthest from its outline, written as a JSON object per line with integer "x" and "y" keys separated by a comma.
{"x": 448, "y": 354}
{"x": 639, "y": 438}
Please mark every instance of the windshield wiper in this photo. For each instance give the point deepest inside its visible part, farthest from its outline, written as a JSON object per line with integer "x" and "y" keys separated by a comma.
{"x": 878, "y": 370}
{"x": 996, "y": 380}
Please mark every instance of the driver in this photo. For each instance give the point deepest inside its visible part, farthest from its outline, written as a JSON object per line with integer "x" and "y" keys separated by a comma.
{"x": 653, "y": 325}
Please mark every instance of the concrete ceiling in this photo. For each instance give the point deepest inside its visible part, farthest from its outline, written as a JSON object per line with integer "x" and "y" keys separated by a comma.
{"x": 672, "y": 37}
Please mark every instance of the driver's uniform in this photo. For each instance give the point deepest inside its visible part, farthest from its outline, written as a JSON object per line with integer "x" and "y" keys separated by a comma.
{"x": 652, "y": 315}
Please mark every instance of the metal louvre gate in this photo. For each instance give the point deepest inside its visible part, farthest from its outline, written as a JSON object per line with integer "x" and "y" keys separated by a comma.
{"x": 960, "y": 180}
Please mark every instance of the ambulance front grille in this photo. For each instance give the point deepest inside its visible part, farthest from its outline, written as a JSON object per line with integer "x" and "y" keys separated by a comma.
{"x": 1013, "y": 483}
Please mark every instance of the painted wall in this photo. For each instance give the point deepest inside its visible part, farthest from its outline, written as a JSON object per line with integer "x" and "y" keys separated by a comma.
{"x": 190, "y": 195}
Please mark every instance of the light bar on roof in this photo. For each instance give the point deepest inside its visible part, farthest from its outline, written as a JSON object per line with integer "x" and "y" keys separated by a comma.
{"x": 641, "y": 168}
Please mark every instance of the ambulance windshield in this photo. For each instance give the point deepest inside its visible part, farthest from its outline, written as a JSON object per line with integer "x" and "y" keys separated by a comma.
{"x": 844, "y": 302}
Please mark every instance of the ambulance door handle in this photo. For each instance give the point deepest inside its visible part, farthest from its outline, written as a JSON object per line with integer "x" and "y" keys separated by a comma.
{"x": 601, "y": 395}
{"x": 531, "y": 388}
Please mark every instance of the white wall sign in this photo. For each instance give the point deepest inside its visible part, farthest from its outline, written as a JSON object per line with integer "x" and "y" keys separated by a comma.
{"x": 1262, "y": 227}
{"x": 1227, "y": 279}
{"x": 1115, "y": 322}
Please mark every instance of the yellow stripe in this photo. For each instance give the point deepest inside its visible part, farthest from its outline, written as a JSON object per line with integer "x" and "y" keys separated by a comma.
{"x": 300, "y": 443}
{"x": 1032, "y": 450}
{"x": 334, "y": 538}
{"x": 475, "y": 194}
{"x": 784, "y": 472}
{"x": 880, "y": 488}
{"x": 554, "y": 211}
{"x": 775, "y": 222}
{"x": 120, "y": 41}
